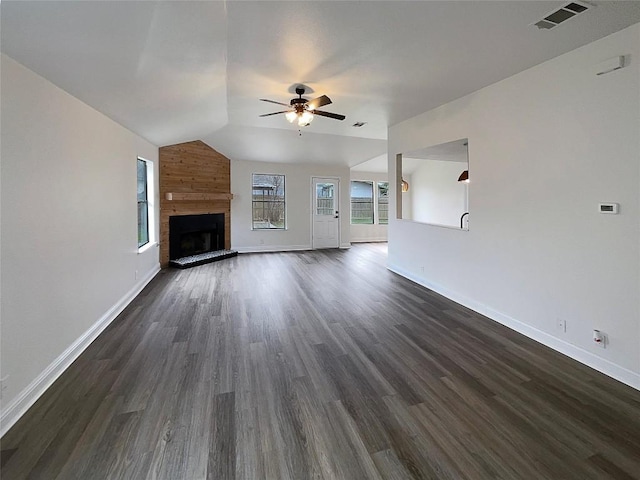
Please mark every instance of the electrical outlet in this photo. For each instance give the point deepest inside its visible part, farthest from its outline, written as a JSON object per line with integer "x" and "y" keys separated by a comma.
{"x": 562, "y": 325}
{"x": 600, "y": 339}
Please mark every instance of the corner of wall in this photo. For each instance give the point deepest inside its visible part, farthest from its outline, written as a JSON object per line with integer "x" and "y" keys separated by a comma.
{"x": 18, "y": 406}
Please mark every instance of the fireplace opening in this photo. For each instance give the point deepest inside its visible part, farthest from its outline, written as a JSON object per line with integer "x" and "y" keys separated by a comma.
{"x": 195, "y": 234}
{"x": 194, "y": 243}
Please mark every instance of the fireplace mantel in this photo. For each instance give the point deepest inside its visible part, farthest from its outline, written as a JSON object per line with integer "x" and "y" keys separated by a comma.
{"x": 196, "y": 197}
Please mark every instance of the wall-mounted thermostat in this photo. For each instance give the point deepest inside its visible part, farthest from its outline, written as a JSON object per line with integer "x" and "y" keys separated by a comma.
{"x": 608, "y": 208}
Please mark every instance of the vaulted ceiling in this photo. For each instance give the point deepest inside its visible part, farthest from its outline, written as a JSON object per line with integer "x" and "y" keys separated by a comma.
{"x": 179, "y": 71}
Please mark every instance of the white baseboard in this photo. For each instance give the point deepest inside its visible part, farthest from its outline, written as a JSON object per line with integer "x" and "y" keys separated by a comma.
{"x": 27, "y": 397}
{"x": 369, "y": 240}
{"x": 345, "y": 245}
{"x": 602, "y": 365}
{"x": 271, "y": 248}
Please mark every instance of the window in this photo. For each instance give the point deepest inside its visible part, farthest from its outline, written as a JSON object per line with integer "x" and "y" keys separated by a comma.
{"x": 143, "y": 204}
{"x": 367, "y": 209}
{"x": 325, "y": 197}
{"x": 383, "y": 203}
{"x": 361, "y": 202}
{"x": 146, "y": 216}
{"x": 268, "y": 197}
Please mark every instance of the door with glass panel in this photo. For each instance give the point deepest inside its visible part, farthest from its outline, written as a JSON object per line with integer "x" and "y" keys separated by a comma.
{"x": 325, "y": 213}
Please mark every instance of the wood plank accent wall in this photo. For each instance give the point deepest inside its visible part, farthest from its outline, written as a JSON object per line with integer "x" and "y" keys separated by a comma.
{"x": 187, "y": 169}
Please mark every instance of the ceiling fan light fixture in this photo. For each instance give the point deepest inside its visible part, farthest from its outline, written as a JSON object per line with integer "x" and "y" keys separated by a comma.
{"x": 291, "y": 116}
{"x": 305, "y": 118}
{"x": 303, "y": 110}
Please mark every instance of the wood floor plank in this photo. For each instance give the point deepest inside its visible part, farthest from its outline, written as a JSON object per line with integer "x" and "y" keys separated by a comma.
{"x": 222, "y": 445}
{"x": 609, "y": 468}
{"x": 347, "y": 444}
{"x": 422, "y": 457}
{"x": 320, "y": 365}
{"x": 315, "y": 431}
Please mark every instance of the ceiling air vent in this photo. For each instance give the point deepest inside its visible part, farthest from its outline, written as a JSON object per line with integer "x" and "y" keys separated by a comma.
{"x": 562, "y": 14}
{"x": 359, "y": 124}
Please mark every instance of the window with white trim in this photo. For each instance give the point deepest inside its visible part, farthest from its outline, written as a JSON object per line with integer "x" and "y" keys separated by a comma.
{"x": 361, "y": 202}
{"x": 146, "y": 218}
{"x": 383, "y": 203}
{"x": 268, "y": 201}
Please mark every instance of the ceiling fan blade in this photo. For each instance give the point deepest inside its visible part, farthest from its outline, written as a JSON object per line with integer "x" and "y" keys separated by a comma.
{"x": 274, "y": 113}
{"x": 318, "y": 102}
{"x": 335, "y": 116}
{"x": 273, "y": 101}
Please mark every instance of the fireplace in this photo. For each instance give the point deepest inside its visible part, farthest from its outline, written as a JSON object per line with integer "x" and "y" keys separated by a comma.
{"x": 195, "y": 234}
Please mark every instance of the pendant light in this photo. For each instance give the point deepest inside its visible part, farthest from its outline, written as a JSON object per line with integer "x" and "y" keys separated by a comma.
{"x": 464, "y": 177}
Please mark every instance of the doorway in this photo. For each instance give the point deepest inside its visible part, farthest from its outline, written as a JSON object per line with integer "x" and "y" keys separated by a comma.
{"x": 325, "y": 212}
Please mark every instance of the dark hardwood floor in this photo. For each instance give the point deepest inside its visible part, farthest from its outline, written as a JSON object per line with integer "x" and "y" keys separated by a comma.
{"x": 320, "y": 365}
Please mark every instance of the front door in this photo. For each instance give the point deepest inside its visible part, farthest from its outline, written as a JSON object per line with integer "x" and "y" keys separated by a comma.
{"x": 326, "y": 217}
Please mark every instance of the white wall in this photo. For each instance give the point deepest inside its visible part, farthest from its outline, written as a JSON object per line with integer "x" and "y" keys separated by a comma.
{"x": 297, "y": 236}
{"x": 436, "y": 195}
{"x": 375, "y": 232}
{"x": 545, "y": 147}
{"x": 69, "y": 230}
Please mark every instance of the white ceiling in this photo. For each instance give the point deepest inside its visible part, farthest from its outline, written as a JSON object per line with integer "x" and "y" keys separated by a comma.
{"x": 455, "y": 151}
{"x": 179, "y": 71}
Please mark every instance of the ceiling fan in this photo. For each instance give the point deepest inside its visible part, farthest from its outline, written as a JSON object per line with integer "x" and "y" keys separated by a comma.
{"x": 303, "y": 110}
